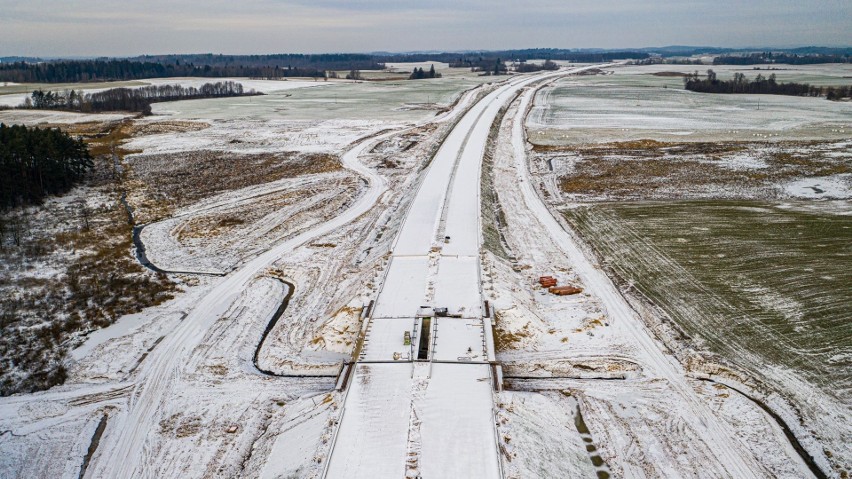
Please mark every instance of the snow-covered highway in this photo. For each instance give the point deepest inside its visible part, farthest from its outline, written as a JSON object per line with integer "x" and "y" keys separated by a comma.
{"x": 428, "y": 409}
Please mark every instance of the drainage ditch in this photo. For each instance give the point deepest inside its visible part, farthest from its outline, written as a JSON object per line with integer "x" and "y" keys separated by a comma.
{"x": 93, "y": 446}
{"x": 291, "y": 288}
{"x": 788, "y": 433}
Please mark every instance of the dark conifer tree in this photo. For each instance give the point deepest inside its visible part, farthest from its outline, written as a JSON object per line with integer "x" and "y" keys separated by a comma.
{"x": 37, "y": 162}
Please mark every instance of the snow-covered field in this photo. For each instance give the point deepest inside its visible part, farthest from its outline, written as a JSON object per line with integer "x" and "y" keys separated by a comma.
{"x": 38, "y": 117}
{"x": 827, "y": 74}
{"x": 263, "y": 86}
{"x": 391, "y": 101}
{"x": 251, "y": 135}
{"x": 632, "y": 104}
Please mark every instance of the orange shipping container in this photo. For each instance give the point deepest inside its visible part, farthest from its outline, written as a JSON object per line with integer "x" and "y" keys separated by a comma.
{"x": 565, "y": 290}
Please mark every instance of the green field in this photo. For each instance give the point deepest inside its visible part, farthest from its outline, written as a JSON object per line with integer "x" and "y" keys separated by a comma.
{"x": 765, "y": 285}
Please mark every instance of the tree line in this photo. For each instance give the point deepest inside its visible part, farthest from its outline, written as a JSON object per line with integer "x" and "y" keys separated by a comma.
{"x": 265, "y": 66}
{"x": 786, "y": 58}
{"x": 760, "y": 85}
{"x": 130, "y": 99}
{"x": 525, "y": 67}
{"x": 38, "y": 162}
{"x": 488, "y": 66}
{"x": 318, "y": 61}
{"x": 376, "y": 61}
{"x": 74, "y": 71}
{"x": 419, "y": 74}
{"x": 484, "y": 61}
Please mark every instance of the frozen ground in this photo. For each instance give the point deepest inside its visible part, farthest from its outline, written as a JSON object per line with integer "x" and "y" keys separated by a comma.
{"x": 646, "y": 170}
{"x": 836, "y": 187}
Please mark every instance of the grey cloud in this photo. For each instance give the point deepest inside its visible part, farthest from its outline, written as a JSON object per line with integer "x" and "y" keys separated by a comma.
{"x": 123, "y": 27}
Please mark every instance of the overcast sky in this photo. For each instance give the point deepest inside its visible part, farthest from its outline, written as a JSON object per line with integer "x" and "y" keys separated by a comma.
{"x": 125, "y": 27}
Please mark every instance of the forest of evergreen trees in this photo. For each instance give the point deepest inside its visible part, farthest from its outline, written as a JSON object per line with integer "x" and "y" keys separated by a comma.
{"x": 419, "y": 73}
{"x": 760, "y": 85}
{"x": 786, "y": 58}
{"x": 525, "y": 67}
{"x": 470, "y": 60}
{"x": 376, "y": 61}
{"x": 37, "y": 162}
{"x": 131, "y": 99}
{"x": 488, "y": 66}
{"x": 305, "y": 62}
{"x": 72, "y": 71}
